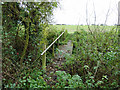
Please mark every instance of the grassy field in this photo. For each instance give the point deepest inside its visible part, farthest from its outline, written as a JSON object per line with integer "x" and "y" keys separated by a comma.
{"x": 73, "y": 28}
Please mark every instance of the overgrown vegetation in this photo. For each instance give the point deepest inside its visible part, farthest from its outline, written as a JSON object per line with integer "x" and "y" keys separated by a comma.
{"x": 94, "y": 62}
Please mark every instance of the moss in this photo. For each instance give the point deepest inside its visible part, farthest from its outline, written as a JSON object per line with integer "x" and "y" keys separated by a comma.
{"x": 25, "y": 46}
{"x": 53, "y": 53}
{"x": 44, "y": 58}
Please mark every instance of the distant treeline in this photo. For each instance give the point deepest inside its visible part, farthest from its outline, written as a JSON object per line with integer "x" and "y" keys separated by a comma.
{"x": 83, "y": 25}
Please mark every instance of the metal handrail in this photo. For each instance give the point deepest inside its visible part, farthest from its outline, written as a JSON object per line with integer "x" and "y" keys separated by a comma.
{"x": 52, "y": 43}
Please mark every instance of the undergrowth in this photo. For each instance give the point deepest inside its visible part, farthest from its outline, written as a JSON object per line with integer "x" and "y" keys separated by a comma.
{"x": 94, "y": 63}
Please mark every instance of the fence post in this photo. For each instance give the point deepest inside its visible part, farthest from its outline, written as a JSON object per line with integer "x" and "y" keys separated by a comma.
{"x": 57, "y": 41}
{"x": 44, "y": 58}
{"x": 53, "y": 53}
{"x": 45, "y": 49}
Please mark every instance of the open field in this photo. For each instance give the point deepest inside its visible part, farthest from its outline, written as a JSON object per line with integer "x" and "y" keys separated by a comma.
{"x": 73, "y": 28}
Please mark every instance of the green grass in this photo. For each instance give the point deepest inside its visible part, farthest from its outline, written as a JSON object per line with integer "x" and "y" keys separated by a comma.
{"x": 73, "y": 28}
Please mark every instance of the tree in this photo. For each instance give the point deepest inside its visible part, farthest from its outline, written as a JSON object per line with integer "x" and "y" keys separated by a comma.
{"x": 22, "y": 32}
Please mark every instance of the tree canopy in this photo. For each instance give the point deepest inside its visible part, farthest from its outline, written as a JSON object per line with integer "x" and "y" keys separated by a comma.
{"x": 23, "y": 25}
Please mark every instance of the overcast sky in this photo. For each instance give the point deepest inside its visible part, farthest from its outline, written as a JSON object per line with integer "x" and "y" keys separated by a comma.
{"x": 74, "y": 12}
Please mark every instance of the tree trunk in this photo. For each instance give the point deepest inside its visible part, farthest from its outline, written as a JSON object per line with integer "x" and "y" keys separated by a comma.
{"x": 25, "y": 46}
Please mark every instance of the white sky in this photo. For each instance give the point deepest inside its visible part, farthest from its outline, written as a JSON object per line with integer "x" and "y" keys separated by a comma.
{"x": 74, "y": 12}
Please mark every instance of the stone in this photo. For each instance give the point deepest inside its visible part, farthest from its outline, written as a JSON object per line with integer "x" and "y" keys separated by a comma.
{"x": 65, "y": 50}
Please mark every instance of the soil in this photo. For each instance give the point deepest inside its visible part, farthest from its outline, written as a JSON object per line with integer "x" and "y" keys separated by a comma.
{"x": 55, "y": 65}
